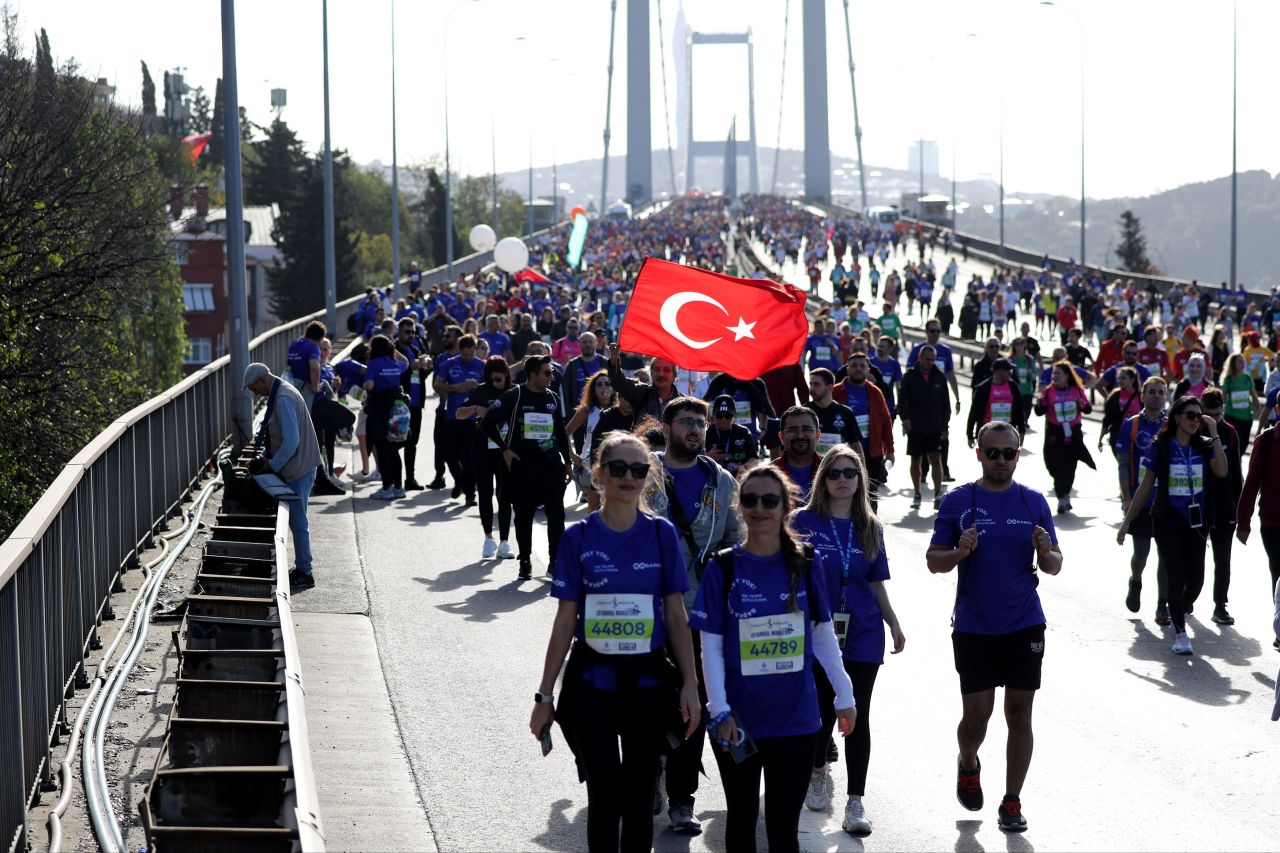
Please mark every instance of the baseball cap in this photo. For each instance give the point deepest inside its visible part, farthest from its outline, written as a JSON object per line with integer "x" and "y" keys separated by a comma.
{"x": 254, "y": 372}
{"x": 1191, "y": 330}
{"x": 723, "y": 405}
{"x": 1002, "y": 364}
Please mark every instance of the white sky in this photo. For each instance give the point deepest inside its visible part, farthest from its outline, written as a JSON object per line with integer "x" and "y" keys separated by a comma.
{"x": 1158, "y": 78}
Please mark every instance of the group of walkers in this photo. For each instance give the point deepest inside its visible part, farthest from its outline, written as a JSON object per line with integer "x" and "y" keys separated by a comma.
{"x": 729, "y": 579}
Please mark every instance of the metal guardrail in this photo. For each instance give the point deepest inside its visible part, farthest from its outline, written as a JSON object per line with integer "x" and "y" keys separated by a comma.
{"x": 63, "y": 560}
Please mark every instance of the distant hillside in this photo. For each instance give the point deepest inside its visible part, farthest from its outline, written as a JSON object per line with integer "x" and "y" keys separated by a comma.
{"x": 1187, "y": 228}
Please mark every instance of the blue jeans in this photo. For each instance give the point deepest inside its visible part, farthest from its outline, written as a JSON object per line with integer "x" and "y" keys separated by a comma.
{"x": 298, "y": 520}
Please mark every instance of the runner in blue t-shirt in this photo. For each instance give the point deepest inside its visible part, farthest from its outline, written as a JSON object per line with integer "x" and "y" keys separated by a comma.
{"x": 619, "y": 583}
{"x": 823, "y": 350}
{"x": 1133, "y": 442}
{"x": 764, "y": 618}
{"x": 996, "y": 531}
{"x": 846, "y": 535}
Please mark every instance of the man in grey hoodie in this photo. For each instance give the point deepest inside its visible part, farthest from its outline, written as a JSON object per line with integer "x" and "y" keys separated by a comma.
{"x": 698, "y": 497}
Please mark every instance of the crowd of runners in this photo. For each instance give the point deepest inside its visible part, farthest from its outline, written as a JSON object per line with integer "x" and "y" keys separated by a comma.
{"x": 729, "y": 582}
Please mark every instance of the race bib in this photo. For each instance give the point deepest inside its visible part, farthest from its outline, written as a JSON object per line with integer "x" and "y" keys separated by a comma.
{"x": 619, "y": 624}
{"x": 772, "y": 645}
{"x": 415, "y": 378}
{"x": 538, "y": 426}
{"x": 822, "y": 353}
{"x": 1240, "y": 400}
{"x": 826, "y": 441}
{"x": 1186, "y": 480}
{"x": 1067, "y": 412}
{"x": 742, "y": 412}
{"x": 1002, "y": 411}
{"x": 864, "y": 424}
{"x": 491, "y": 444}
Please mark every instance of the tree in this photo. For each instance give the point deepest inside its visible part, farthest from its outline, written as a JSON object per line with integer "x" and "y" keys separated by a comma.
{"x": 201, "y": 120}
{"x": 168, "y": 103}
{"x": 297, "y": 288}
{"x": 1132, "y": 251}
{"x": 215, "y": 151}
{"x": 87, "y": 283}
{"x": 276, "y": 176}
{"x": 148, "y": 92}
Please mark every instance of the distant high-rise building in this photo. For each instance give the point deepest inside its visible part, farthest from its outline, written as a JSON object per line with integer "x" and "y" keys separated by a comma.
{"x": 930, "y": 157}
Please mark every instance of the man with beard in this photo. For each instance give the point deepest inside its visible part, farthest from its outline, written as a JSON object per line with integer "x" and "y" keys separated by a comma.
{"x": 579, "y": 368}
{"x": 836, "y": 422}
{"x": 697, "y": 496}
{"x": 646, "y": 399}
{"x": 925, "y": 410}
{"x": 800, "y": 434}
{"x": 875, "y": 423}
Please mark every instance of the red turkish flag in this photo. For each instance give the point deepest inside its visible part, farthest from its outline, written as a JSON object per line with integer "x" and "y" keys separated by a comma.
{"x": 530, "y": 274}
{"x": 702, "y": 320}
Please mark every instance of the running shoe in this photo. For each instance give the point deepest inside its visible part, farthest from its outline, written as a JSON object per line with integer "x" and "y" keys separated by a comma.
{"x": 399, "y": 492}
{"x": 1062, "y": 505}
{"x": 437, "y": 483}
{"x": 682, "y": 820}
{"x": 1221, "y": 616}
{"x": 969, "y": 786}
{"x": 490, "y": 550}
{"x": 947, "y": 478}
{"x": 1133, "y": 600}
{"x": 1162, "y": 614}
{"x": 1275, "y": 644}
{"x": 915, "y": 501}
{"x": 818, "y": 799}
{"x": 298, "y": 579}
{"x": 1181, "y": 643}
{"x": 855, "y": 819}
{"x": 412, "y": 485}
{"x": 1188, "y": 609}
{"x": 526, "y": 568}
{"x": 384, "y": 495}
{"x": 1011, "y": 819}
{"x": 937, "y": 497}
{"x": 457, "y": 490}
{"x": 504, "y": 550}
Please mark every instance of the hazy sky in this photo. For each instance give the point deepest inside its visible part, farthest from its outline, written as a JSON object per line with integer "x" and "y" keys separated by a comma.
{"x": 1157, "y": 78}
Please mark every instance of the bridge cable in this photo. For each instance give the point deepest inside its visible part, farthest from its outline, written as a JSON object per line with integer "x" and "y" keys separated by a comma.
{"x": 666, "y": 110}
{"x": 608, "y": 109}
{"x": 782, "y": 88}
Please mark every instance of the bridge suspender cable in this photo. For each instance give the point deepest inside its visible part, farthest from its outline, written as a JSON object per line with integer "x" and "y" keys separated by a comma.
{"x": 666, "y": 110}
{"x": 782, "y": 88}
{"x": 608, "y": 107}
{"x": 857, "y": 125}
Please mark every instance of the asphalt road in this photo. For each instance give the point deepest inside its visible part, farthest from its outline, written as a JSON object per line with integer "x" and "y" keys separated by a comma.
{"x": 1137, "y": 749}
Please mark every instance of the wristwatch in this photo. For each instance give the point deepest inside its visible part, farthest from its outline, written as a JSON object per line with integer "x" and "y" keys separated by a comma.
{"x": 541, "y": 697}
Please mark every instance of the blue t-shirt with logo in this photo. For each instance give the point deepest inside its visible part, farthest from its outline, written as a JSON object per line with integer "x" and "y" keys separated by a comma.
{"x": 499, "y": 342}
{"x": 779, "y": 698}
{"x": 1136, "y": 443}
{"x": 802, "y": 477}
{"x": 301, "y": 352}
{"x": 1187, "y": 466}
{"x": 689, "y": 483}
{"x": 455, "y": 372}
{"x": 997, "y": 583}
{"x": 619, "y": 581}
{"x": 945, "y": 359}
{"x": 385, "y": 372}
{"x": 824, "y": 351}
{"x": 351, "y": 372}
{"x": 836, "y": 544}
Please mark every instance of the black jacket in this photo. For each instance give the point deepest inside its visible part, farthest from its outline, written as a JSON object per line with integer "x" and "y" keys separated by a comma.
{"x": 925, "y": 400}
{"x": 978, "y": 408}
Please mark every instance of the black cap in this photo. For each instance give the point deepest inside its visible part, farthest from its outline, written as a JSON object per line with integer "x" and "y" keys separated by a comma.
{"x": 1002, "y": 364}
{"x": 724, "y": 405}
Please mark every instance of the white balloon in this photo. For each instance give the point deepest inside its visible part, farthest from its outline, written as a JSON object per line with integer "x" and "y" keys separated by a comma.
{"x": 511, "y": 254}
{"x": 482, "y": 238}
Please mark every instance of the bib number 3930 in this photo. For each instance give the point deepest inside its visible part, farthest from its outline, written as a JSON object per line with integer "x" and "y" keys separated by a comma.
{"x": 771, "y": 645}
{"x": 619, "y": 624}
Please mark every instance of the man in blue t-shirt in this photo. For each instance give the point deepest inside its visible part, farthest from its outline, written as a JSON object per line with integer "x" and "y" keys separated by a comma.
{"x": 456, "y": 378}
{"x": 1133, "y": 441}
{"x": 499, "y": 341}
{"x": 997, "y": 532}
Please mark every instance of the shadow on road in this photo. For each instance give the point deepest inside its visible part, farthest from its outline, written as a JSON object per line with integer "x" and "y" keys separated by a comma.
{"x": 486, "y": 605}
{"x": 1191, "y": 677}
{"x": 472, "y": 574}
{"x": 967, "y": 841}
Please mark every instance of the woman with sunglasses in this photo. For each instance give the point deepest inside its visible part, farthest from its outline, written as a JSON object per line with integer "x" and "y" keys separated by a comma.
{"x": 1064, "y": 405}
{"x": 841, "y": 526}
{"x": 486, "y": 458}
{"x": 763, "y": 616}
{"x": 1124, "y": 401}
{"x": 596, "y": 398}
{"x": 619, "y": 582}
{"x": 1185, "y": 450}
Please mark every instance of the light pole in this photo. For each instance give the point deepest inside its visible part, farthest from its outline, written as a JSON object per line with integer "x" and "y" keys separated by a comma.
{"x": 1080, "y": 28}
{"x": 1234, "y": 14}
{"x": 857, "y": 125}
{"x": 241, "y": 412}
{"x": 395, "y": 167}
{"x": 330, "y": 272}
{"x": 920, "y": 198}
{"x": 448, "y": 175}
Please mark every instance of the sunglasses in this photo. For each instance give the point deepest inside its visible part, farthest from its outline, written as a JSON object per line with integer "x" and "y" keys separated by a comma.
{"x": 750, "y": 499}
{"x": 618, "y": 469}
{"x": 994, "y": 453}
{"x": 1195, "y": 416}
{"x": 847, "y": 473}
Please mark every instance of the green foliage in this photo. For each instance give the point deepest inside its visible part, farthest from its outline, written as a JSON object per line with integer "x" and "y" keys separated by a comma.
{"x": 201, "y": 120}
{"x": 215, "y": 151}
{"x": 90, "y": 300}
{"x": 279, "y": 163}
{"x": 1132, "y": 252}
{"x": 148, "y": 92}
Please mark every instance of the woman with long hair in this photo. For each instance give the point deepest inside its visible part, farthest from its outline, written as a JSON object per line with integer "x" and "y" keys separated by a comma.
{"x": 1124, "y": 401}
{"x": 843, "y": 529}
{"x": 619, "y": 582}
{"x": 1184, "y": 452}
{"x": 1241, "y": 397}
{"x": 1026, "y": 368}
{"x": 764, "y": 618}
{"x": 1064, "y": 404}
{"x": 486, "y": 458}
{"x": 382, "y": 382}
{"x": 597, "y": 395}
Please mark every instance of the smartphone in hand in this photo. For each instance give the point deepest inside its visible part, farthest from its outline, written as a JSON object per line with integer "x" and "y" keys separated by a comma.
{"x": 545, "y": 738}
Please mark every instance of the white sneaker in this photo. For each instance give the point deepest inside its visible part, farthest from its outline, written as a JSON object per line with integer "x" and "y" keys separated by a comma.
{"x": 1181, "y": 643}
{"x": 855, "y": 819}
{"x": 383, "y": 495}
{"x": 399, "y": 492}
{"x": 490, "y": 549}
{"x": 819, "y": 797}
{"x": 504, "y": 550}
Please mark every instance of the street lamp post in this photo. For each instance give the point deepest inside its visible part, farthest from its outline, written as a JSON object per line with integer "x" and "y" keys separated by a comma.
{"x": 1080, "y": 28}
{"x": 330, "y": 272}
{"x": 1234, "y": 13}
{"x": 395, "y": 167}
{"x": 448, "y": 175}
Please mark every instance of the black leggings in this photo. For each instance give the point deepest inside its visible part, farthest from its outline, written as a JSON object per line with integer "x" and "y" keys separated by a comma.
{"x": 458, "y": 438}
{"x": 1271, "y": 542}
{"x": 618, "y": 790}
{"x": 1220, "y": 541}
{"x": 1182, "y": 549}
{"x": 685, "y": 762}
{"x": 533, "y": 487}
{"x": 785, "y": 762}
{"x": 1243, "y": 429}
{"x": 411, "y": 446}
{"x": 1140, "y": 533}
{"x": 388, "y": 463}
{"x": 857, "y": 753}
{"x": 488, "y": 468}
{"x": 1061, "y": 459}
{"x": 439, "y": 442}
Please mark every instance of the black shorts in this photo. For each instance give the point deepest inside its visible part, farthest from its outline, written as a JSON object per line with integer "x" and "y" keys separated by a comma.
{"x": 1142, "y": 524}
{"x": 987, "y": 661}
{"x": 921, "y": 444}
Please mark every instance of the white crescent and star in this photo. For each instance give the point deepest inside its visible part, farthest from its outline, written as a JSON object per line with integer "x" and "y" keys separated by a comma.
{"x": 669, "y": 318}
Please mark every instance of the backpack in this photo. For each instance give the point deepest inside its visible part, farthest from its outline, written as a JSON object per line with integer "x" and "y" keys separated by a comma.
{"x": 724, "y": 558}
{"x": 398, "y": 422}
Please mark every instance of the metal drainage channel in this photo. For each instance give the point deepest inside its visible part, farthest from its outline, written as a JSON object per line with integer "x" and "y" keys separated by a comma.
{"x": 234, "y": 771}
